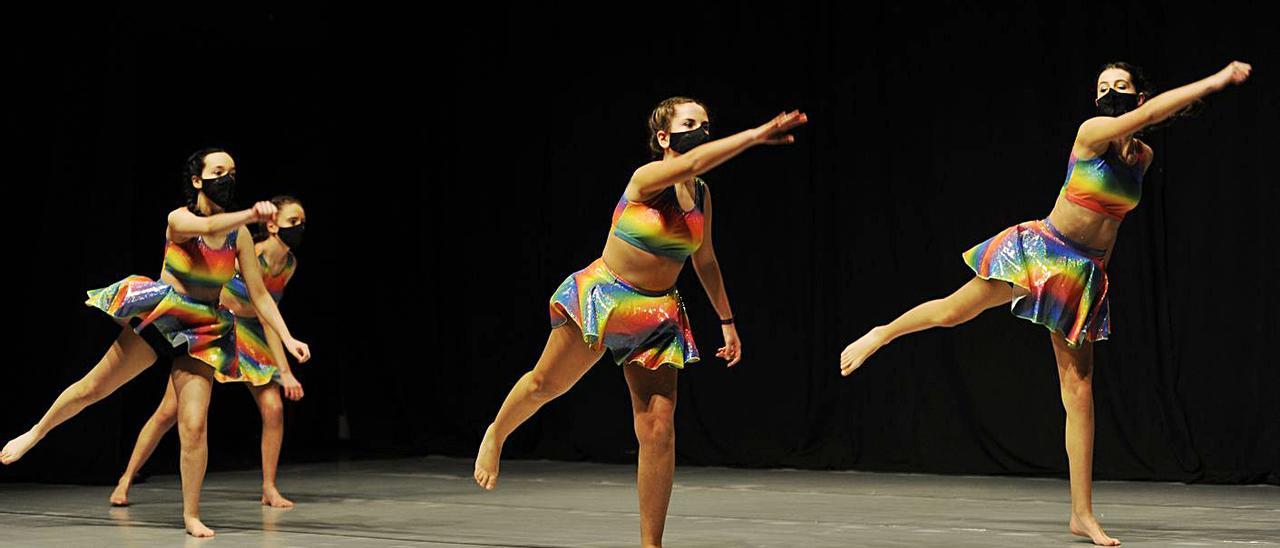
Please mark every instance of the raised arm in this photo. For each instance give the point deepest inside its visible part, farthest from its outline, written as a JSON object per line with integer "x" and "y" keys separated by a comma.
{"x": 261, "y": 299}
{"x": 184, "y": 225}
{"x": 1096, "y": 132}
{"x": 657, "y": 175}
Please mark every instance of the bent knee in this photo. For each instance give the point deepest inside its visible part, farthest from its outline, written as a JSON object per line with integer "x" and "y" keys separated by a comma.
{"x": 545, "y": 387}
{"x": 89, "y": 390}
{"x": 166, "y": 416}
{"x": 951, "y": 316}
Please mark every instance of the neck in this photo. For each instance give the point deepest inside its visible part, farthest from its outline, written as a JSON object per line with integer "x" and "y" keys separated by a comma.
{"x": 206, "y": 206}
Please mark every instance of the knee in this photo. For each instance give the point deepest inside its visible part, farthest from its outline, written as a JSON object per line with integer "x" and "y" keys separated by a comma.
{"x": 949, "y": 315}
{"x": 191, "y": 430}
{"x": 544, "y": 387}
{"x": 656, "y": 431}
{"x": 1077, "y": 394}
{"x": 166, "y": 416}
{"x": 272, "y": 412}
{"x": 89, "y": 390}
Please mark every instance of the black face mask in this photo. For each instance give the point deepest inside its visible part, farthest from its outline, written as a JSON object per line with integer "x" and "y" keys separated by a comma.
{"x": 291, "y": 236}
{"x": 221, "y": 191}
{"x": 1114, "y": 103}
{"x": 686, "y": 140}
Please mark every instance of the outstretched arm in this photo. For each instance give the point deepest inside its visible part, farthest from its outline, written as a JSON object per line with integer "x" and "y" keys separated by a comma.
{"x": 184, "y": 225}
{"x": 1096, "y": 132}
{"x": 657, "y": 175}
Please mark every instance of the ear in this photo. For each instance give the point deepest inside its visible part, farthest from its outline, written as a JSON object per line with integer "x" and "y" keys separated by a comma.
{"x": 1142, "y": 98}
{"x": 272, "y": 228}
{"x": 664, "y": 139}
{"x": 197, "y": 182}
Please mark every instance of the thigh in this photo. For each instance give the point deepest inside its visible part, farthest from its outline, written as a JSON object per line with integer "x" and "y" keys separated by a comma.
{"x": 192, "y": 385}
{"x": 566, "y": 356}
{"x": 128, "y": 356}
{"x": 652, "y": 391}
{"x": 266, "y": 396}
{"x": 1074, "y": 364}
{"x": 979, "y": 294}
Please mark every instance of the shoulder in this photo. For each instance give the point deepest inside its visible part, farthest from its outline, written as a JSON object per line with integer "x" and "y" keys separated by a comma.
{"x": 178, "y": 213}
{"x": 1147, "y": 152}
{"x": 244, "y": 242}
{"x": 1095, "y": 122}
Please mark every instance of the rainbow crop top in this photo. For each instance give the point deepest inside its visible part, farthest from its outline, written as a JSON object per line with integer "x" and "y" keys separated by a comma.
{"x": 1104, "y": 184}
{"x": 659, "y": 226}
{"x": 198, "y": 266}
{"x": 237, "y": 289}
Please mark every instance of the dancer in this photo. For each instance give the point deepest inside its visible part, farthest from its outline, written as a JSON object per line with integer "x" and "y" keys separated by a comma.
{"x": 261, "y": 356}
{"x": 160, "y": 318}
{"x": 626, "y": 300}
{"x": 1056, "y": 266}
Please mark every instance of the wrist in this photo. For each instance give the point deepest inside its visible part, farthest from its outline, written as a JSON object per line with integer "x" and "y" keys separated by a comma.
{"x": 726, "y": 321}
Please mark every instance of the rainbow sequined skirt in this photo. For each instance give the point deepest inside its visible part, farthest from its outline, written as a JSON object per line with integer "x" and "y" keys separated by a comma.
{"x": 645, "y": 328}
{"x": 206, "y": 329}
{"x": 257, "y": 361}
{"x": 1066, "y": 281}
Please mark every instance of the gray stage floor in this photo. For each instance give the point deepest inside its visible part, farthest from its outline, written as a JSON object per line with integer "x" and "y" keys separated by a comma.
{"x": 433, "y": 502}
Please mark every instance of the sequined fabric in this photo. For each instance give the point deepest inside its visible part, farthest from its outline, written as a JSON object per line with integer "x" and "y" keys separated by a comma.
{"x": 256, "y": 361}
{"x": 649, "y": 329}
{"x": 659, "y": 225}
{"x": 1103, "y": 184}
{"x": 275, "y": 284}
{"x": 205, "y": 328}
{"x": 198, "y": 266}
{"x": 1066, "y": 282}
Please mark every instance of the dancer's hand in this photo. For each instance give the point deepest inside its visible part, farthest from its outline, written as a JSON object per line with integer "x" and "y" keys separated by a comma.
{"x": 774, "y": 132}
{"x": 298, "y": 348}
{"x": 290, "y": 385}
{"x": 732, "y": 349}
{"x": 1235, "y": 73}
{"x": 264, "y": 211}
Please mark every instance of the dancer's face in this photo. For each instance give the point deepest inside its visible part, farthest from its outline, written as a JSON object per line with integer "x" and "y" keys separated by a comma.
{"x": 688, "y": 117}
{"x": 1117, "y": 80}
{"x": 288, "y": 216}
{"x": 216, "y": 165}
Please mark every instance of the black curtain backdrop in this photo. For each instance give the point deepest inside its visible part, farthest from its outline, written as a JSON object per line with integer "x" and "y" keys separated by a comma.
{"x": 455, "y": 167}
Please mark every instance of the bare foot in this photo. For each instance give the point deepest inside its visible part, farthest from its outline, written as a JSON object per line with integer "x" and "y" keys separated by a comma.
{"x": 17, "y": 447}
{"x": 120, "y": 497}
{"x": 1088, "y": 527}
{"x": 486, "y": 472}
{"x": 197, "y": 529}
{"x": 857, "y": 352}
{"x": 272, "y": 497}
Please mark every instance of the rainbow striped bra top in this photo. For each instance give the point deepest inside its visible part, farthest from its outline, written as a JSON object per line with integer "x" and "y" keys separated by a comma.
{"x": 1104, "y": 184}
{"x": 199, "y": 266}
{"x": 659, "y": 226}
{"x": 275, "y": 283}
